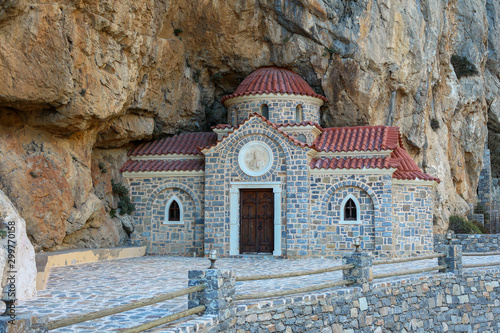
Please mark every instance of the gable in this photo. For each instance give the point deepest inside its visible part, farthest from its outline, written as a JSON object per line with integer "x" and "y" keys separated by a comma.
{"x": 257, "y": 124}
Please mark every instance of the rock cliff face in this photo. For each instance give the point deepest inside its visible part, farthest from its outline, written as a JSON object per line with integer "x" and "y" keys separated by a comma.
{"x": 83, "y": 79}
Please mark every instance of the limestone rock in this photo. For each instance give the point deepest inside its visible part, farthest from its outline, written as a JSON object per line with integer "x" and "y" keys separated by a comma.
{"x": 128, "y": 223}
{"x": 11, "y": 8}
{"x": 124, "y": 129}
{"x": 24, "y": 254}
{"x": 83, "y": 80}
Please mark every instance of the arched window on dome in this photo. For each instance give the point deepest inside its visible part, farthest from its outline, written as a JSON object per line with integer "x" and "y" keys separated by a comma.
{"x": 264, "y": 110}
{"x": 174, "y": 212}
{"x": 233, "y": 117}
{"x": 298, "y": 114}
{"x": 350, "y": 211}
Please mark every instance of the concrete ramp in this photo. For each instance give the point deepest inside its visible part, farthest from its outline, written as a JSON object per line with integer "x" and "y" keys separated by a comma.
{"x": 47, "y": 260}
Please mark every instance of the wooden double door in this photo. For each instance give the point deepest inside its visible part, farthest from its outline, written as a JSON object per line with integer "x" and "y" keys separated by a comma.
{"x": 256, "y": 221}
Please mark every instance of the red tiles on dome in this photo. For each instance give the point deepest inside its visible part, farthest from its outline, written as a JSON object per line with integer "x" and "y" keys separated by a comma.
{"x": 354, "y": 163}
{"x": 162, "y": 165}
{"x": 184, "y": 143}
{"x": 360, "y": 138}
{"x": 273, "y": 80}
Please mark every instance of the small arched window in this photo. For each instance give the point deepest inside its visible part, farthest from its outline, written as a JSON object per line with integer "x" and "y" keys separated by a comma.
{"x": 264, "y": 110}
{"x": 298, "y": 114}
{"x": 173, "y": 211}
{"x": 349, "y": 210}
{"x": 235, "y": 117}
{"x": 302, "y": 138}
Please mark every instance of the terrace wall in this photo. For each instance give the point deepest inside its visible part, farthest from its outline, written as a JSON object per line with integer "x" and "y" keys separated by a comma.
{"x": 472, "y": 243}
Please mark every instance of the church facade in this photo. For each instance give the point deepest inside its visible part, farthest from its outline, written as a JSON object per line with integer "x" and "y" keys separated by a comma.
{"x": 274, "y": 182}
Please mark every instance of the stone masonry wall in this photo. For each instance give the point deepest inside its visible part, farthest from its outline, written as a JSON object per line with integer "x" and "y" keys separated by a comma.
{"x": 329, "y": 237}
{"x": 434, "y": 303}
{"x": 310, "y": 137}
{"x": 150, "y": 196}
{"x": 413, "y": 214}
{"x": 484, "y": 190}
{"x": 289, "y": 169}
{"x": 472, "y": 243}
{"x": 439, "y": 303}
{"x": 327, "y": 193}
{"x": 280, "y": 110}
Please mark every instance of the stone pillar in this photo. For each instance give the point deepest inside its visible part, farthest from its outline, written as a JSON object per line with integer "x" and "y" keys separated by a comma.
{"x": 362, "y": 272}
{"x": 453, "y": 258}
{"x": 217, "y": 297}
{"x": 23, "y": 324}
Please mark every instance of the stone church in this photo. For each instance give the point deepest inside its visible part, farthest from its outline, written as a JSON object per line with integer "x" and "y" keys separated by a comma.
{"x": 274, "y": 182}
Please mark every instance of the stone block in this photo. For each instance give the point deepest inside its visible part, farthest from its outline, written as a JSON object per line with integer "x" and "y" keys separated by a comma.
{"x": 24, "y": 324}
{"x": 453, "y": 258}
{"x": 217, "y": 296}
{"x": 362, "y": 272}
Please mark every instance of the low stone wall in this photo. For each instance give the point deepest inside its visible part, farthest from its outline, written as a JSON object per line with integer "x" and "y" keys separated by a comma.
{"x": 435, "y": 304}
{"x": 439, "y": 303}
{"x": 472, "y": 243}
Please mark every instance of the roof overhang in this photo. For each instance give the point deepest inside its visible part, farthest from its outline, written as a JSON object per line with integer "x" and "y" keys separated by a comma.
{"x": 330, "y": 154}
{"x": 417, "y": 182}
{"x": 363, "y": 171}
{"x": 168, "y": 157}
{"x": 153, "y": 174}
{"x": 301, "y": 128}
{"x": 223, "y": 131}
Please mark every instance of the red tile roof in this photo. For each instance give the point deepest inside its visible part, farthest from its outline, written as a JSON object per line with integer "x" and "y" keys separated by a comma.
{"x": 273, "y": 80}
{"x": 163, "y": 165}
{"x": 354, "y": 163}
{"x": 304, "y": 123}
{"x": 409, "y": 170}
{"x": 184, "y": 143}
{"x": 360, "y": 138}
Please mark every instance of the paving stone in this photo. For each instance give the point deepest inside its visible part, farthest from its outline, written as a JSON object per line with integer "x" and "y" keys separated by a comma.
{"x": 88, "y": 287}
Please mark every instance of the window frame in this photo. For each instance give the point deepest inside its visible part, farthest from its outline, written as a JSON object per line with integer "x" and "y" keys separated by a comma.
{"x": 299, "y": 114}
{"x": 167, "y": 210}
{"x": 358, "y": 210}
{"x": 261, "y": 109}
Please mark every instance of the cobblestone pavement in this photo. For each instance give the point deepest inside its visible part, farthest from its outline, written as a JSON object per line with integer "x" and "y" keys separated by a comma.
{"x": 88, "y": 287}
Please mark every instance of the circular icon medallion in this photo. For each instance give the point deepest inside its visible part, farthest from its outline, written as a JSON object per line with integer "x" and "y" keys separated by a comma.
{"x": 255, "y": 158}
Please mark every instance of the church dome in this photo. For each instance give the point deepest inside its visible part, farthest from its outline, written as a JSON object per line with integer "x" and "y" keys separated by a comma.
{"x": 273, "y": 80}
